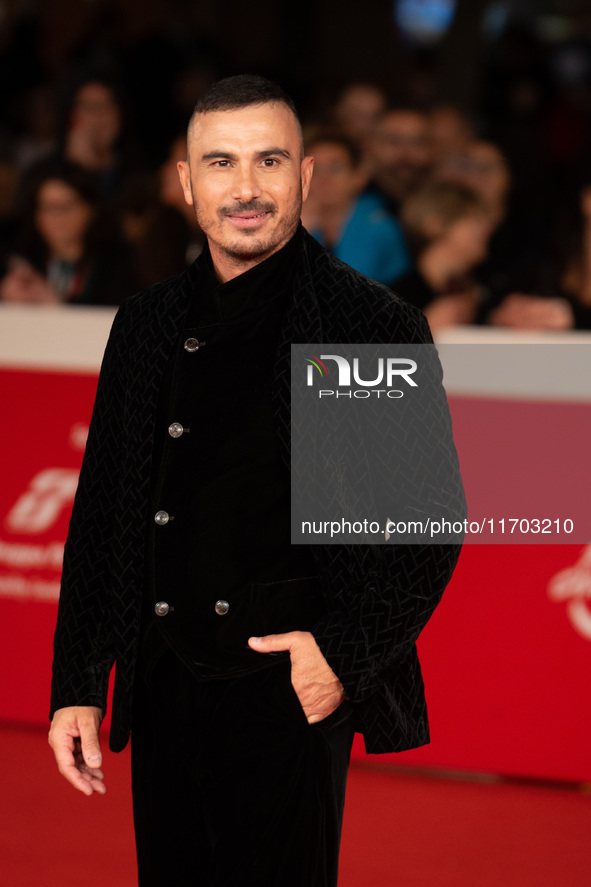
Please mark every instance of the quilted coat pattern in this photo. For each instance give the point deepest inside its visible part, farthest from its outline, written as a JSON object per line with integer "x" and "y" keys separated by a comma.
{"x": 378, "y": 597}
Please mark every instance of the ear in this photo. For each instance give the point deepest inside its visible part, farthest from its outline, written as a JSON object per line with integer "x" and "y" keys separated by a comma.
{"x": 307, "y": 168}
{"x": 185, "y": 177}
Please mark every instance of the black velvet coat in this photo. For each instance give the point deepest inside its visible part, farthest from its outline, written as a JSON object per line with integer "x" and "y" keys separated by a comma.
{"x": 378, "y": 597}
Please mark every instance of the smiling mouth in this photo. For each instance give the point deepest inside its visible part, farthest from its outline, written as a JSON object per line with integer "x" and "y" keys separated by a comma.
{"x": 248, "y": 218}
{"x": 249, "y": 215}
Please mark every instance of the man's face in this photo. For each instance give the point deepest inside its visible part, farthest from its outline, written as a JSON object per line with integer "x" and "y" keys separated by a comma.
{"x": 246, "y": 181}
{"x": 400, "y": 151}
{"x": 359, "y": 109}
{"x": 336, "y": 181}
{"x": 95, "y": 113}
{"x": 62, "y": 216}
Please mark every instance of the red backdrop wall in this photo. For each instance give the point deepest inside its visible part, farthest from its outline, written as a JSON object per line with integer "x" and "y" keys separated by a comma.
{"x": 506, "y": 657}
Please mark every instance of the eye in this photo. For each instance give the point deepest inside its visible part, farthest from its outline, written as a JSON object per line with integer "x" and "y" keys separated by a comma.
{"x": 221, "y": 163}
{"x": 270, "y": 162}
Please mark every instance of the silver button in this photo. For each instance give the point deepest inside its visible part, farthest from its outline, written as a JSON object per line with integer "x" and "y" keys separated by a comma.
{"x": 161, "y": 518}
{"x": 221, "y": 607}
{"x": 161, "y": 608}
{"x": 192, "y": 345}
{"x": 176, "y": 429}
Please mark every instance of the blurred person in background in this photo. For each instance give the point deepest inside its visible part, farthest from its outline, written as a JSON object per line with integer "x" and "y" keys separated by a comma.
{"x": 38, "y": 137}
{"x": 524, "y": 311}
{"x": 576, "y": 276}
{"x": 157, "y": 234}
{"x": 157, "y": 223}
{"x": 480, "y": 166}
{"x": 518, "y": 273}
{"x": 93, "y": 133}
{"x": 399, "y": 155}
{"x": 171, "y": 195}
{"x": 353, "y": 226}
{"x": 94, "y": 129}
{"x": 8, "y": 193}
{"x": 447, "y": 231}
{"x": 450, "y": 132}
{"x": 515, "y": 91}
{"x": 358, "y": 110}
{"x": 66, "y": 252}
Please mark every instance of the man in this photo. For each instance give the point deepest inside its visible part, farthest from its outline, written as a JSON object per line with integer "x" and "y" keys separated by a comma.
{"x": 399, "y": 155}
{"x": 448, "y": 229}
{"x": 354, "y": 227}
{"x": 244, "y": 664}
{"x": 357, "y": 109}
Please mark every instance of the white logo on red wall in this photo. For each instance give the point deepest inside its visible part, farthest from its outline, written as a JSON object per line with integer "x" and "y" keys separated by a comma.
{"x": 574, "y": 586}
{"x": 41, "y": 504}
{"x": 35, "y": 525}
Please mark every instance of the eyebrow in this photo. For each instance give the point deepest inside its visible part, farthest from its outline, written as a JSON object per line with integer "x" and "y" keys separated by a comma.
{"x": 227, "y": 155}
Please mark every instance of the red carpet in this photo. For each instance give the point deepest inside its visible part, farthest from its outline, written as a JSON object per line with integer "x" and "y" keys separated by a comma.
{"x": 400, "y": 830}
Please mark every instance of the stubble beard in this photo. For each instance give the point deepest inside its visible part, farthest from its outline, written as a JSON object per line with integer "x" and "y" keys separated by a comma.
{"x": 251, "y": 245}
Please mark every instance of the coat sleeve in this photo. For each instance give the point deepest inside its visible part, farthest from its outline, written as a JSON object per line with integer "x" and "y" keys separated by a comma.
{"x": 374, "y": 623}
{"x": 382, "y": 595}
{"x": 83, "y": 649}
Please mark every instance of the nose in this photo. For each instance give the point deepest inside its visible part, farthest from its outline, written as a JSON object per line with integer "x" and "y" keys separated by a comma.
{"x": 245, "y": 186}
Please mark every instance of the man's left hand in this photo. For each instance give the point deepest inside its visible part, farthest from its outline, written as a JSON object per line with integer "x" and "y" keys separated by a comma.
{"x": 315, "y": 683}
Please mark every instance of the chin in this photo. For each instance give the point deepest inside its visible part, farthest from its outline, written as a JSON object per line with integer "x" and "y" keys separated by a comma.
{"x": 250, "y": 248}
{"x": 243, "y": 251}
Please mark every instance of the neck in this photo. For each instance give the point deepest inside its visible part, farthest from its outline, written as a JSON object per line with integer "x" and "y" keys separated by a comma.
{"x": 227, "y": 266}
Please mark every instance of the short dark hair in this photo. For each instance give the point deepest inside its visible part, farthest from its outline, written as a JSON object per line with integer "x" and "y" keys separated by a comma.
{"x": 81, "y": 180}
{"x": 241, "y": 91}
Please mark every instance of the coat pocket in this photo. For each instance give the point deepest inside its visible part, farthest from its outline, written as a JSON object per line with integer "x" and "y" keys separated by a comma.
{"x": 286, "y": 605}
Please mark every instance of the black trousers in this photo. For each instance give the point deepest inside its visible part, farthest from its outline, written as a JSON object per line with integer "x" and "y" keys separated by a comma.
{"x": 231, "y": 785}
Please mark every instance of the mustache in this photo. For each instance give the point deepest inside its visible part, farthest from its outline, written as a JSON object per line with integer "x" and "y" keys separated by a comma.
{"x": 249, "y": 206}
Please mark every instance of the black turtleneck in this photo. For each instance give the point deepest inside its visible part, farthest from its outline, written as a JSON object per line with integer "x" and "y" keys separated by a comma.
{"x": 221, "y": 481}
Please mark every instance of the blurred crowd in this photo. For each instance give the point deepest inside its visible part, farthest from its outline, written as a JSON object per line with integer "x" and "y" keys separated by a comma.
{"x": 85, "y": 219}
{"x": 480, "y": 219}
{"x": 420, "y": 200}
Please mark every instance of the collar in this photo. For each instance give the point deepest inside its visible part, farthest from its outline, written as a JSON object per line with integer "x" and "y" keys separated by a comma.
{"x": 256, "y": 288}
